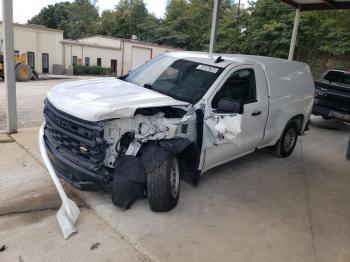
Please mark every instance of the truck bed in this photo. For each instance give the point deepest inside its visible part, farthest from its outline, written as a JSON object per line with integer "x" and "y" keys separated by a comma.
{"x": 332, "y": 101}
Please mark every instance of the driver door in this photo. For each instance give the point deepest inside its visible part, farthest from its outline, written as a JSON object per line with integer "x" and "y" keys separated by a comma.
{"x": 239, "y": 84}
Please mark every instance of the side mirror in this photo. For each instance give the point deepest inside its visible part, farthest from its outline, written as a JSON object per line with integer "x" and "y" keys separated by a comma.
{"x": 228, "y": 105}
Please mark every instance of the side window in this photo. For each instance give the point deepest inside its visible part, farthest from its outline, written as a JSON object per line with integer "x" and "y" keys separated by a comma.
{"x": 346, "y": 79}
{"x": 333, "y": 76}
{"x": 239, "y": 86}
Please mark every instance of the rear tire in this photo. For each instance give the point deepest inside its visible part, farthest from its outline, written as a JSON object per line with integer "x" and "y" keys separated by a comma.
{"x": 23, "y": 73}
{"x": 287, "y": 142}
{"x": 163, "y": 185}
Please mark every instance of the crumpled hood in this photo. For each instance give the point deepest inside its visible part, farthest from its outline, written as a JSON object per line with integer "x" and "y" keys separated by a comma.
{"x": 107, "y": 98}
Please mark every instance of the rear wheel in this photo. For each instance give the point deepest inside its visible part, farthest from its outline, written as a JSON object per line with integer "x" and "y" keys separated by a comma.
{"x": 23, "y": 73}
{"x": 287, "y": 142}
{"x": 163, "y": 185}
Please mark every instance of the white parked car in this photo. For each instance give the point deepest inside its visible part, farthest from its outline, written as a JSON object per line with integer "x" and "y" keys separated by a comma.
{"x": 175, "y": 117}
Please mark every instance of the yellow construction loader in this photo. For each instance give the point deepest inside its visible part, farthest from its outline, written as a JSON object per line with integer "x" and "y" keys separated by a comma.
{"x": 23, "y": 71}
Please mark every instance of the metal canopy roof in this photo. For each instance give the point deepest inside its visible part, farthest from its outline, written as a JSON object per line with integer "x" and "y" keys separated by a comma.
{"x": 310, "y": 5}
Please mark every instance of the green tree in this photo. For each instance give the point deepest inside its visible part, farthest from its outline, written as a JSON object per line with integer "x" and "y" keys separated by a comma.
{"x": 173, "y": 29}
{"x": 268, "y": 29}
{"x": 264, "y": 28}
{"x": 325, "y": 32}
{"x": 77, "y": 19}
{"x": 130, "y": 17}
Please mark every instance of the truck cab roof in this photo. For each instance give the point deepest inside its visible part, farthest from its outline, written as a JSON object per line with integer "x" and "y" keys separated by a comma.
{"x": 283, "y": 76}
{"x": 228, "y": 59}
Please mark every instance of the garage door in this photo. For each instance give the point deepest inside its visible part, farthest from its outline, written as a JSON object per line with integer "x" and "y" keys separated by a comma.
{"x": 139, "y": 56}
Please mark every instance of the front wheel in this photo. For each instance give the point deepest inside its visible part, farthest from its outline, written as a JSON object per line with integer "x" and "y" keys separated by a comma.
{"x": 23, "y": 72}
{"x": 163, "y": 185}
{"x": 287, "y": 141}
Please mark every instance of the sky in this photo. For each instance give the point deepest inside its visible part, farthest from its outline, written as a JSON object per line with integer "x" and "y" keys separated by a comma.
{"x": 23, "y": 10}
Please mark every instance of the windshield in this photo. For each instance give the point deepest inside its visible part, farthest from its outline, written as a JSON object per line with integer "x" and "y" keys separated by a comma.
{"x": 178, "y": 78}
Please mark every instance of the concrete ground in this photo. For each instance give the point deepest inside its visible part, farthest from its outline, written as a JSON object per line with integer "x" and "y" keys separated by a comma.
{"x": 36, "y": 236}
{"x": 28, "y": 226}
{"x": 257, "y": 208}
{"x": 30, "y": 97}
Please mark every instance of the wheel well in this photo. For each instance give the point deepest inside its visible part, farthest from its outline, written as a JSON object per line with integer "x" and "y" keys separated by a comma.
{"x": 298, "y": 120}
{"x": 189, "y": 159}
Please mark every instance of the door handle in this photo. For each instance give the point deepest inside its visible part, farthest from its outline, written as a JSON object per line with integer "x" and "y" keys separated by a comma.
{"x": 256, "y": 113}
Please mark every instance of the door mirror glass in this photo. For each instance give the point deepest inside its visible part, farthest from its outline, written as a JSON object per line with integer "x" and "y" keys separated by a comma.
{"x": 229, "y": 105}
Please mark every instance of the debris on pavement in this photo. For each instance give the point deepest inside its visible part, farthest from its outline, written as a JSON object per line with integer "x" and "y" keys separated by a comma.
{"x": 94, "y": 246}
{"x": 2, "y": 248}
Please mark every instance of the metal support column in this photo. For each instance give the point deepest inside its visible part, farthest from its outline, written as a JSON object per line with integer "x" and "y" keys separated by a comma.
{"x": 9, "y": 63}
{"x": 294, "y": 34}
{"x": 214, "y": 26}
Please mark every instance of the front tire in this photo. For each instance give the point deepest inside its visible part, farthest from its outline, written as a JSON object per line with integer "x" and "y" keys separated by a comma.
{"x": 287, "y": 142}
{"x": 163, "y": 185}
{"x": 23, "y": 73}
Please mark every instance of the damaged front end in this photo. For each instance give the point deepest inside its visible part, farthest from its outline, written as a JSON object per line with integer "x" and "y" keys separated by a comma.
{"x": 137, "y": 145}
{"x": 117, "y": 154}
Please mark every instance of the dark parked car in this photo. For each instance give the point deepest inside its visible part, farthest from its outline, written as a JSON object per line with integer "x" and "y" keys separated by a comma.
{"x": 332, "y": 96}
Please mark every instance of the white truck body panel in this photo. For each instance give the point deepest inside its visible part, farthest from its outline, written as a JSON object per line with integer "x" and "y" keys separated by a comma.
{"x": 100, "y": 99}
{"x": 284, "y": 90}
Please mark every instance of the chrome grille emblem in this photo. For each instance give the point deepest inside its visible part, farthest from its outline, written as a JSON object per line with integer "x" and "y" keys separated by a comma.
{"x": 83, "y": 149}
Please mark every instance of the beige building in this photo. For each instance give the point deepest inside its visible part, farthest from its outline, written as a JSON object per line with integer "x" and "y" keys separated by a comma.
{"x": 41, "y": 44}
{"x": 120, "y": 54}
{"x": 46, "y": 47}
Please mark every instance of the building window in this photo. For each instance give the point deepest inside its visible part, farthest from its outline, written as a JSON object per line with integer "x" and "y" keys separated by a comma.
{"x": 75, "y": 60}
{"x": 30, "y": 59}
{"x": 99, "y": 61}
{"x": 87, "y": 61}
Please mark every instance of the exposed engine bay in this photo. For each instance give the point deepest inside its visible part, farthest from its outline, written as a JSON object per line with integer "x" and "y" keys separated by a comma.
{"x": 126, "y": 136}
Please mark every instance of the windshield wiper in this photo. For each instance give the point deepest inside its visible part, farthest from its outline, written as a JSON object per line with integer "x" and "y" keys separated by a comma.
{"x": 148, "y": 86}
{"x": 124, "y": 77}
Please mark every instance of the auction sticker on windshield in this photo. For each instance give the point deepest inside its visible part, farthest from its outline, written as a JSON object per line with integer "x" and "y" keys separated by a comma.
{"x": 210, "y": 69}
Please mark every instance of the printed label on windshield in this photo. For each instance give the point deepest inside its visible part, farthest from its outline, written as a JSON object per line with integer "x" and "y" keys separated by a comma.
{"x": 210, "y": 69}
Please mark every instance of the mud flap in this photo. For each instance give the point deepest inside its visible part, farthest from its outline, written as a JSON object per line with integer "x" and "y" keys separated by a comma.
{"x": 129, "y": 182}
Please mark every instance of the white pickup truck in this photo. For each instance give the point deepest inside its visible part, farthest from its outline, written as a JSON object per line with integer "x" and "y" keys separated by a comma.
{"x": 174, "y": 117}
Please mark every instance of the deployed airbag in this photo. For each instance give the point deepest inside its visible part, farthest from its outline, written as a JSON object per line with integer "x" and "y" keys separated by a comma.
{"x": 222, "y": 129}
{"x": 229, "y": 126}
